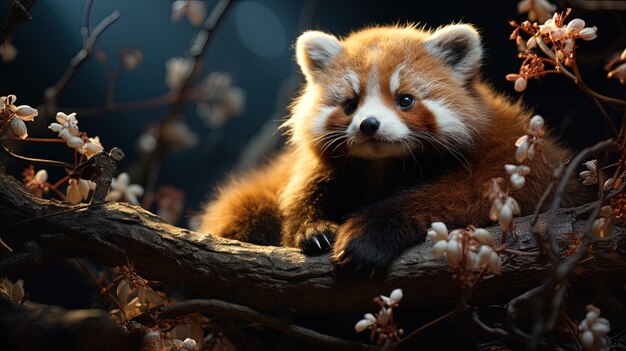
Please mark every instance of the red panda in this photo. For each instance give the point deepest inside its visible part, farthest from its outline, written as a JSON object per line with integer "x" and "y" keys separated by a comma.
{"x": 394, "y": 130}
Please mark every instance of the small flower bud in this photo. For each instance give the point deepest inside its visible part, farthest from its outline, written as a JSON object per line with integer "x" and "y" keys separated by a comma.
{"x": 521, "y": 153}
{"x": 588, "y": 33}
{"x": 438, "y": 231}
{"x": 55, "y": 127}
{"x": 439, "y": 248}
{"x": 26, "y": 113}
{"x": 484, "y": 253}
{"x": 520, "y": 84}
{"x": 505, "y": 217}
{"x": 75, "y": 142}
{"x": 531, "y": 43}
{"x": 536, "y": 123}
{"x": 483, "y": 236}
{"x": 189, "y": 344}
{"x": 453, "y": 252}
{"x": 557, "y": 34}
{"x": 18, "y": 127}
{"x": 41, "y": 176}
{"x": 517, "y": 180}
{"x": 396, "y": 296}
{"x": 575, "y": 26}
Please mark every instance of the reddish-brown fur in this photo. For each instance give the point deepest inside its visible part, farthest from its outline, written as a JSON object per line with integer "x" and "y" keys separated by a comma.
{"x": 373, "y": 209}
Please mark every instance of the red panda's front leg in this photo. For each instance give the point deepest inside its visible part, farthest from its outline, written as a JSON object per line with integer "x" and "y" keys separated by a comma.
{"x": 304, "y": 223}
{"x": 373, "y": 237}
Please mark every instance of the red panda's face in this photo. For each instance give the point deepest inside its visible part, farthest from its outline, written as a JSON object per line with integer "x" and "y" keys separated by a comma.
{"x": 387, "y": 92}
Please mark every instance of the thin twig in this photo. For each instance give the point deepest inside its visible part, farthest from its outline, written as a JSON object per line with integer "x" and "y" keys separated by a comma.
{"x": 37, "y": 161}
{"x": 196, "y": 53}
{"x": 53, "y": 92}
{"x": 18, "y": 14}
{"x": 222, "y": 308}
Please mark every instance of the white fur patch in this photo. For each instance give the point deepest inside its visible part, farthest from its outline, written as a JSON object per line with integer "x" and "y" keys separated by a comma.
{"x": 394, "y": 81}
{"x": 449, "y": 121}
{"x": 319, "y": 122}
{"x": 353, "y": 79}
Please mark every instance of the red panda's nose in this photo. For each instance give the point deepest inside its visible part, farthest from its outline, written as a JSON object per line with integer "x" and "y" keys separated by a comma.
{"x": 369, "y": 126}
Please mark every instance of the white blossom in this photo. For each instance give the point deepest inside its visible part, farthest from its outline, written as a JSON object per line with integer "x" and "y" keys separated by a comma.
{"x": 121, "y": 189}
{"x": 528, "y": 144}
{"x": 593, "y": 331}
{"x": 363, "y": 324}
{"x": 14, "y": 291}
{"x": 575, "y": 26}
{"x": 177, "y": 69}
{"x": 8, "y": 52}
{"x": 503, "y": 210}
{"x": 67, "y": 128}
{"x": 92, "y": 147}
{"x": 588, "y": 33}
{"x": 517, "y": 174}
{"x": 78, "y": 189}
{"x": 619, "y": 72}
{"x": 537, "y": 9}
{"x": 17, "y": 115}
{"x": 195, "y": 10}
{"x": 41, "y": 176}
{"x": 590, "y": 176}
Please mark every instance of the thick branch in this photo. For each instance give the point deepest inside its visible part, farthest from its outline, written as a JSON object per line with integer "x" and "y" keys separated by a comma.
{"x": 40, "y": 327}
{"x": 266, "y": 278}
{"x": 18, "y": 14}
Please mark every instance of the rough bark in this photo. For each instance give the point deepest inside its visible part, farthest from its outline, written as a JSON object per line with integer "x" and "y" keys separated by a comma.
{"x": 265, "y": 278}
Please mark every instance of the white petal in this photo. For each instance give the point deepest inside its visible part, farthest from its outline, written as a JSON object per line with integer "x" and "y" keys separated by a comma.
{"x": 135, "y": 189}
{"x": 440, "y": 248}
{"x": 483, "y": 236}
{"x": 495, "y": 264}
{"x": 531, "y": 151}
{"x": 65, "y": 134}
{"x": 484, "y": 254}
{"x": 83, "y": 187}
{"x": 514, "y": 205}
{"x": 510, "y": 169}
{"x": 73, "y": 193}
{"x": 131, "y": 198}
{"x": 178, "y": 10}
{"x": 370, "y": 317}
{"x": 189, "y": 344}
{"x": 520, "y": 84}
{"x": 55, "y": 127}
{"x": 522, "y": 150}
{"x": 588, "y": 33}
{"x": 196, "y": 12}
{"x": 41, "y": 176}
{"x": 601, "y": 326}
{"x": 587, "y": 340}
{"x": 453, "y": 252}
{"x": 384, "y": 316}
{"x": 18, "y": 127}
{"x": 75, "y": 142}
{"x": 517, "y": 180}
{"x": 362, "y": 325}
{"x": 396, "y": 296}
{"x": 575, "y": 26}
{"x": 26, "y": 113}
{"x": 61, "y": 117}
{"x": 11, "y": 99}
{"x": 536, "y": 123}
{"x": 557, "y": 34}
{"x": 505, "y": 217}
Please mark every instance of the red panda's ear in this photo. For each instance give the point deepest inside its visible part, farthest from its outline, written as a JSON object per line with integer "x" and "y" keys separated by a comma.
{"x": 458, "y": 46}
{"x": 314, "y": 50}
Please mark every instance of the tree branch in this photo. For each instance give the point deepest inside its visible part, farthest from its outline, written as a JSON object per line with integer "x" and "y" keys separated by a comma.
{"x": 264, "y": 277}
{"x": 18, "y": 14}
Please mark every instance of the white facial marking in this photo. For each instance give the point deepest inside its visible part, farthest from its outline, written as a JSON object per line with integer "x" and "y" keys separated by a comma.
{"x": 391, "y": 129}
{"x": 394, "y": 81}
{"x": 353, "y": 78}
{"x": 319, "y": 122}
{"x": 449, "y": 121}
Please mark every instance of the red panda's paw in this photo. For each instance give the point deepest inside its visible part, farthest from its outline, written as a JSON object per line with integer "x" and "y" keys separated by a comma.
{"x": 362, "y": 245}
{"x": 317, "y": 238}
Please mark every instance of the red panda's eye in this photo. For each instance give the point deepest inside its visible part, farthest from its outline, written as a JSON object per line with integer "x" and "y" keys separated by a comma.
{"x": 349, "y": 106}
{"x": 405, "y": 102}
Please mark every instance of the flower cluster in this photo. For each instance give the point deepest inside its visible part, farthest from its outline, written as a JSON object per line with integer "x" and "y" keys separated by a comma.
{"x": 617, "y": 68}
{"x": 503, "y": 206}
{"x": 382, "y": 324}
{"x": 78, "y": 189}
{"x": 220, "y": 99}
{"x": 143, "y": 296}
{"x": 67, "y": 127}
{"x": 14, "y": 291}
{"x": 37, "y": 183}
{"x": 122, "y": 190}
{"x": 177, "y": 69}
{"x": 15, "y": 116}
{"x": 529, "y": 145}
{"x": 593, "y": 330}
{"x": 538, "y": 10}
{"x": 554, "y": 31}
{"x": 590, "y": 176}
{"x": 465, "y": 248}
{"x": 195, "y": 10}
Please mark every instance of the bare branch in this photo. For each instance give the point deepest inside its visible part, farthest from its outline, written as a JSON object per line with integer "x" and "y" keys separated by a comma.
{"x": 18, "y": 14}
